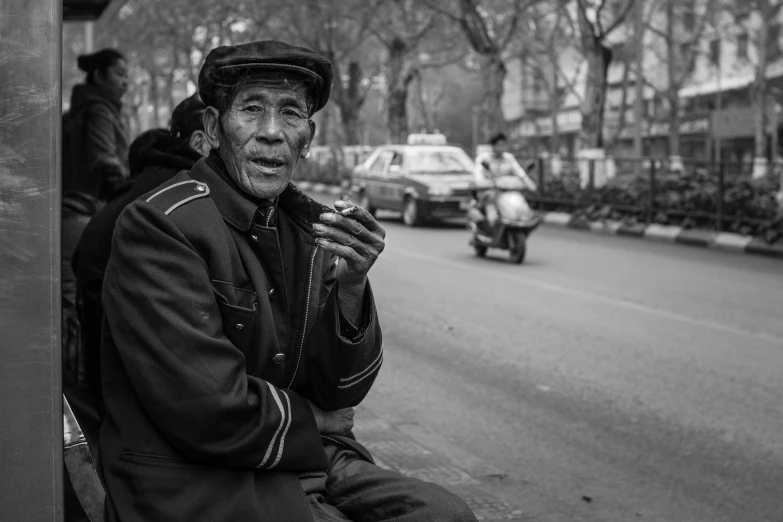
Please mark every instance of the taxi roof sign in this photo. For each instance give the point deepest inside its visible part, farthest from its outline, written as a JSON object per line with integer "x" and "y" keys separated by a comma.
{"x": 427, "y": 139}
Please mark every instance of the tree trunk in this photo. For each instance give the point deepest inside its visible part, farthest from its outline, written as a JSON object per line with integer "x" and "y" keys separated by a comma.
{"x": 426, "y": 112}
{"x": 398, "y": 117}
{"x": 170, "y": 101}
{"x": 554, "y": 106}
{"x": 350, "y": 121}
{"x": 400, "y": 72}
{"x": 155, "y": 99}
{"x": 638, "y": 108}
{"x": 493, "y": 74}
{"x": 617, "y": 134}
{"x": 351, "y": 101}
{"x": 598, "y": 59}
{"x": 674, "y": 122}
{"x": 760, "y": 92}
{"x": 673, "y": 90}
{"x": 326, "y": 126}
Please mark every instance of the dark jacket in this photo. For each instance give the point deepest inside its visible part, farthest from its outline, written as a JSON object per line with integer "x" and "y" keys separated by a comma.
{"x": 95, "y": 144}
{"x": 221, "y": 320}
{"x": 157, "y": 162}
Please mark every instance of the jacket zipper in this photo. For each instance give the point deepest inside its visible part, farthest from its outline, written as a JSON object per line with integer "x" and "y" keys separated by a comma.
{"x": 307, "y": 313}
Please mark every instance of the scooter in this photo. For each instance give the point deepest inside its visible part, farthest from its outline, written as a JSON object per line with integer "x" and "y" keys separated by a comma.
{"x": 510, "y": 218}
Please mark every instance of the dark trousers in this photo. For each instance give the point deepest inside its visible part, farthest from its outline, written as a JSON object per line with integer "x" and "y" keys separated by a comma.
{"x": 355, "y": 490}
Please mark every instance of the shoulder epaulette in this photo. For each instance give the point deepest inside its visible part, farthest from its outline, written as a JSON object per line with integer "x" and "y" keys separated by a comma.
{"x": 174, "y": 196}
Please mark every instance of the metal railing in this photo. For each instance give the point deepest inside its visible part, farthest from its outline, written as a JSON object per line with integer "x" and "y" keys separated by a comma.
{"x": 720, "y": 197}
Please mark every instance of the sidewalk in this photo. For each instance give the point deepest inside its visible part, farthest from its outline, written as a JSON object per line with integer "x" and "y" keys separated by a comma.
{"x": 415, "y": 456}
{"x": 700, "y": 238}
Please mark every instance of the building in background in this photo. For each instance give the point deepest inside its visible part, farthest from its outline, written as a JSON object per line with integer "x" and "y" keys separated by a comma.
{"x": 715, "y": 96}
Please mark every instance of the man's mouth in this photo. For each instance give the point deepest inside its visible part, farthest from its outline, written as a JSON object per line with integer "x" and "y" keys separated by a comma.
{"x": 269, "y": 163}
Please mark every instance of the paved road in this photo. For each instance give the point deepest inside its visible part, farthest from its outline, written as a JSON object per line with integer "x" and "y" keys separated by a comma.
{"x": 610, "y": 379}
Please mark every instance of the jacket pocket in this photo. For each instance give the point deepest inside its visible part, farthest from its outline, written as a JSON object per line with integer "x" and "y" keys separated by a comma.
{"x": 155, "y": 461}
{"x": 239, "y": 312}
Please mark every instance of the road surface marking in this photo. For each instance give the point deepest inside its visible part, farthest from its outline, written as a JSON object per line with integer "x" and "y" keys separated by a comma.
{"x": 619, "y": 303}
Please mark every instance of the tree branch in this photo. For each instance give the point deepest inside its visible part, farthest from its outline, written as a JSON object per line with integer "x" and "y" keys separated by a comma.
{"x": 512, "y": 26}
{"x": 620, "y": 17}
{"x": 433, "y": 5}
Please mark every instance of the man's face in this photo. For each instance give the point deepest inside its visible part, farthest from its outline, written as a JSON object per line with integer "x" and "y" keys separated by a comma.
{"x": 264, "y": 134}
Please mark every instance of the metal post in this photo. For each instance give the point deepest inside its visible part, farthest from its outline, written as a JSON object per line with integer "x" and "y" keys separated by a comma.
{"x": 591, "y": 179}
{"x": 541, "y": 191}
{"x": 31, "y": 431}
{"x": 718, "y": 109}
{"x": 773, "y": 123}
{"x": 89, "y": 40}
{"x": 475, "y": 113}
{"x": 651, "y": 208}
{"x": 721, "y": 189}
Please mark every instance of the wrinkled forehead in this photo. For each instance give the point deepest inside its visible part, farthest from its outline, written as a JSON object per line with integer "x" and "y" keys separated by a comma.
{"x": 269, "y": 83}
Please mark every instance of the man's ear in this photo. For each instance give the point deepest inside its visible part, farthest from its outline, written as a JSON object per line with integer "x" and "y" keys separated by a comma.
{"x": 310, "y": 139}
{"x": 212, "y": 127}
{"x": 198, "y": 142}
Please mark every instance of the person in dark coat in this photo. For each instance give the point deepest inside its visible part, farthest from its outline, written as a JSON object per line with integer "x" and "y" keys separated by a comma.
{"x": 94, "y": 163}
{"x": 95, "y": 154}
{"x": 241, "y": 328}
{"x": 155, "y": 157}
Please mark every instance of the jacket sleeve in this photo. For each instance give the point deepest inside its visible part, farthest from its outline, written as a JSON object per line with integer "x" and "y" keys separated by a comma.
{"x": 101, "y": 148}
{"x": 164, "y": 319}
{"x": 479, "y": 173}
{"x": 343, "y": 360}
{"x": 520, "y": 172}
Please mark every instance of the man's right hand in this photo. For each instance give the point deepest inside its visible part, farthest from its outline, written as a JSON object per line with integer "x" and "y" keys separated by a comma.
{"x": 338, "y": 422}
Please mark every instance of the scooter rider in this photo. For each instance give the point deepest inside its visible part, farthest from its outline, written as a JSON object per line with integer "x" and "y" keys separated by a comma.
{"x": 490, "y": 166}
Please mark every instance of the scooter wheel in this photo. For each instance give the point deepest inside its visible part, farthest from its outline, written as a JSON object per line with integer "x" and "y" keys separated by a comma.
{"x": 520, "y": 249}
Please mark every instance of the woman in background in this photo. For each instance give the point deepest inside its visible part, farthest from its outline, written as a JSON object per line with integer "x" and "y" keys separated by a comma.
{"x": 95, "y": 163}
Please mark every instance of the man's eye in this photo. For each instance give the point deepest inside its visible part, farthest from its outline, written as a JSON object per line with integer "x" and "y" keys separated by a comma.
{"x": 291, "y": 113}
{"x": 254, "y": 108}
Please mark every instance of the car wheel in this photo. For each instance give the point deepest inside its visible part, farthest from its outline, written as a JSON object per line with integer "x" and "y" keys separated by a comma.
{"x": 365, "y": 203}
{"x": 410, "y": 213}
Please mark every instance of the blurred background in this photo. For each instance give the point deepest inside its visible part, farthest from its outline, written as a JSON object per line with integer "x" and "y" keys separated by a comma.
{"x": 665, "y": 111}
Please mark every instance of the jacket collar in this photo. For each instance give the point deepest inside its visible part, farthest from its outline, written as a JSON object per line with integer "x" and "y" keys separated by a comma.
{"x": 240, "y": 209}
{"x": 85, "y": 94}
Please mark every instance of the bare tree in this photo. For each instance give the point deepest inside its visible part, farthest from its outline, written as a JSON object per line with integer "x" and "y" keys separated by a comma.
{"x": 768, "y": 12}
{"x": 489, "y": 31}
{"x": 549, "y": 33}
{"x": 428, "y": 98}
{"x": 596, "y": 23}
{"x": 401, "y": 29}
{"x": 684, "y": 23}
{"x": 338, "y": 30}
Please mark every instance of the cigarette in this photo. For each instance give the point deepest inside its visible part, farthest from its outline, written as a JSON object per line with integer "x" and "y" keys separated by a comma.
{"x": 348, "y": 211}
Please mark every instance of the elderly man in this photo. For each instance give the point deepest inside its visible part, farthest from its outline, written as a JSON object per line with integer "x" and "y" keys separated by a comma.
{"x": 241, "y": 328}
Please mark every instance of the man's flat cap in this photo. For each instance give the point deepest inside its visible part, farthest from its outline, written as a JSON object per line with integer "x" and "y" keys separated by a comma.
{"x": 227, "y": 62}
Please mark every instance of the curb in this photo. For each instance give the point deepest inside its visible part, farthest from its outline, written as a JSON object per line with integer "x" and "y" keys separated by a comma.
{"x": 670, "y": 234}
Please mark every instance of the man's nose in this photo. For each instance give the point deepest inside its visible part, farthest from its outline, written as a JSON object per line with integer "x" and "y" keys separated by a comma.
{"x": 270, "y": 127}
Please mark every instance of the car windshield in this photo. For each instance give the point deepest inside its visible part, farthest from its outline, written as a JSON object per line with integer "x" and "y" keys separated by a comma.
{"x": 438, "y": 161}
